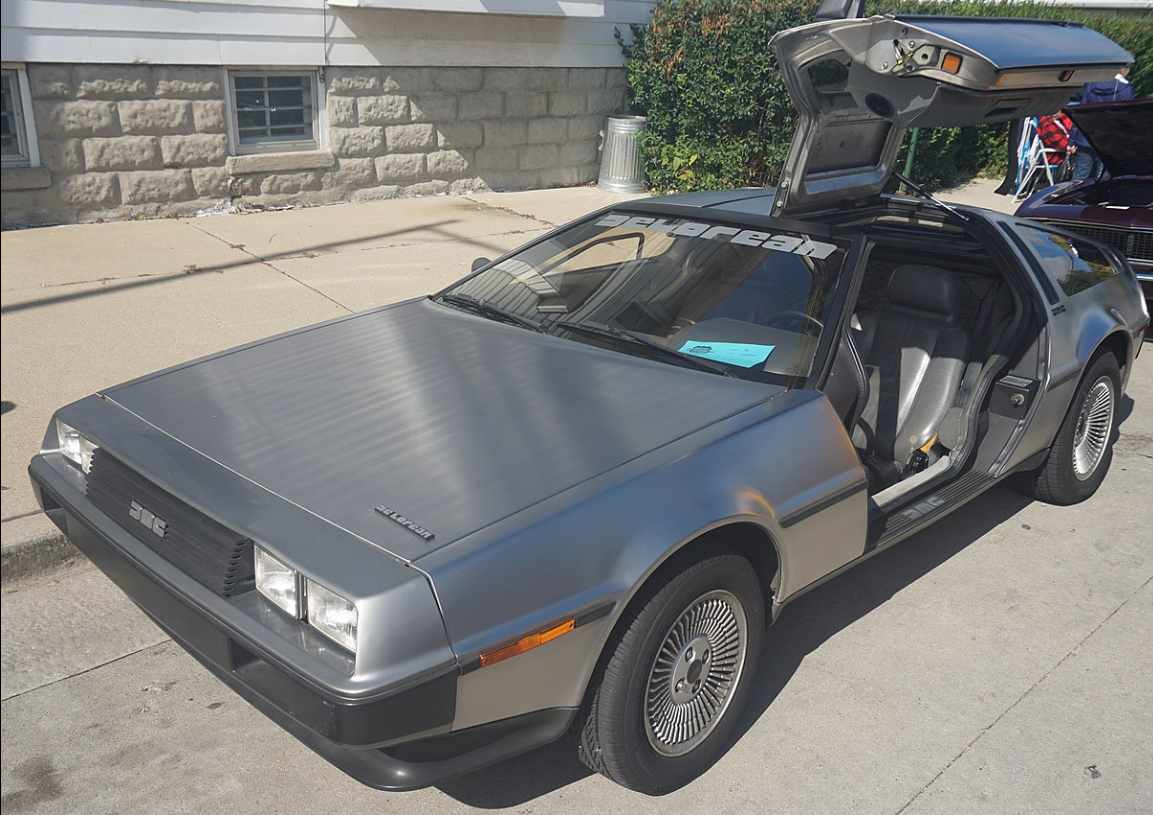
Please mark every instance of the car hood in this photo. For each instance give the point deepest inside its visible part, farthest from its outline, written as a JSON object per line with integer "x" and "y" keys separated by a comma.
{"x": 417, "y": 410}
{"x": 1119, "y": 133}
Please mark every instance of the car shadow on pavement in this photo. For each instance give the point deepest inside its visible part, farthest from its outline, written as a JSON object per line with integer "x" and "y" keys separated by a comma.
{"x": 812, "y": 619}
{"x": 519, "y": 780}
{"x": 805, "y": 626}
{"x": 1124, "y": 408}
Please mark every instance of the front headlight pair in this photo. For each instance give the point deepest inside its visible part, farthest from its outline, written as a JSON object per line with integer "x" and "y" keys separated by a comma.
{"x": 304, "y": 598}
{"x": 75, "y": 446}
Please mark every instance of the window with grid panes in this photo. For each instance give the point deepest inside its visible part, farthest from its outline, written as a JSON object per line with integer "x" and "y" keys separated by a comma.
{"x": 274, "y": 110}
{"x": 13, "y": 139}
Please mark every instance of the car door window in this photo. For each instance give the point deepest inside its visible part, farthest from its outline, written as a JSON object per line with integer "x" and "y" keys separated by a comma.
{"x": 1073, "y": 264}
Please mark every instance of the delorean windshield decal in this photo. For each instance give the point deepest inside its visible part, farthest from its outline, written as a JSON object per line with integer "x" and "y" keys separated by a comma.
{"x": 797, "y": 245}
{"x": 411, "y": 526}
{"x": 731, "y": 353}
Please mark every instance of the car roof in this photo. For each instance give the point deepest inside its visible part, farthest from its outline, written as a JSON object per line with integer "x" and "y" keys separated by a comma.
{"x": 757, "y": 201}
{"x": 748, "y": 200}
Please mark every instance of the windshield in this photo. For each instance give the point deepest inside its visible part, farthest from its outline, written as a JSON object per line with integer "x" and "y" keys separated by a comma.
{"x": 752, "y": 302}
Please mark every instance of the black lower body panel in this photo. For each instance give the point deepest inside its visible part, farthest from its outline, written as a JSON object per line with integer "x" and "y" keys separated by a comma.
{"x": 423, "y": 763}
{"x": 894, "y": 526}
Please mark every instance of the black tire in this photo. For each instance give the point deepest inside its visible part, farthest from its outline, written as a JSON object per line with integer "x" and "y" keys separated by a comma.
{"x": 1067, "y": 476}
{"x": 613, "y": 731}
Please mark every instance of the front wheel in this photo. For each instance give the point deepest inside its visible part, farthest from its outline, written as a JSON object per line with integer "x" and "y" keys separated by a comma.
{"x": 673, "y": 681}
{"x": 1081, "y": 452}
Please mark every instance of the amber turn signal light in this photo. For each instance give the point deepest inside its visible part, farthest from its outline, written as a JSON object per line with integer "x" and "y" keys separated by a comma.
{"x": 951, "y": 63}
{"x": 526, "y": 643}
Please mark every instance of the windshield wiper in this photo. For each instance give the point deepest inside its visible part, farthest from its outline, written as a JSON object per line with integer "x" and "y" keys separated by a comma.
{"x": 925, "y": 195}
{"x": 486, "y": 309}
{"x": 633, "y": 338}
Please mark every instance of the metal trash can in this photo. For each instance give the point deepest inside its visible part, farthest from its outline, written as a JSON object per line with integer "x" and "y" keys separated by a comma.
{"x": 621, "y": 166}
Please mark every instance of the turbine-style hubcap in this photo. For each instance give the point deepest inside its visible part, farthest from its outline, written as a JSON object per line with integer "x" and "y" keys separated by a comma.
{"x": 1094, "y": 424}
{"x": 695, "y": 673}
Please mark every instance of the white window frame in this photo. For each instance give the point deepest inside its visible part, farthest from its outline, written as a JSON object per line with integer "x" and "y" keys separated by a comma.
{"x": 25, "y": 122}
{"x": 317, "y": 142}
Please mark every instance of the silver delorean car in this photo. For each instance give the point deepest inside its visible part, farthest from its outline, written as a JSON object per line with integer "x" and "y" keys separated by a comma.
{"x": 567, "y": 494}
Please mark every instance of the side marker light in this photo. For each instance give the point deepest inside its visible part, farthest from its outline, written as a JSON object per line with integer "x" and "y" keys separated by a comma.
{"x": 526, "y": 643}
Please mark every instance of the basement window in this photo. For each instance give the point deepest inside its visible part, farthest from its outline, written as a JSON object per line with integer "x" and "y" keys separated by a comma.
{"x": 274, "y": 111}
{"x": 14, "y": 136}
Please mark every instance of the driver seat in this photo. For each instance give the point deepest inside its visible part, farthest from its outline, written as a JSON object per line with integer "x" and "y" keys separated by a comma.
{"x": 914, "y": 355}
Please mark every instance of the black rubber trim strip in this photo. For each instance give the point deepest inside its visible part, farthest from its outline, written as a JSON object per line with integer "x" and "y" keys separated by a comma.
{"x": 1072, "y": 373}
{"x": 593, "y": 614}
{"x": 821, "y": 504}
{"x": 921, "y": 510}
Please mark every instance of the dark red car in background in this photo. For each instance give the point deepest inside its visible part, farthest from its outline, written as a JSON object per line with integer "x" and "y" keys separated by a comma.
{"x": 1118, "y": 210}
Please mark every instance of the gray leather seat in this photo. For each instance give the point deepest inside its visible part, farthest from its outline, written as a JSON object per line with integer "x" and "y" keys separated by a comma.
{"x": 914, "y": 356}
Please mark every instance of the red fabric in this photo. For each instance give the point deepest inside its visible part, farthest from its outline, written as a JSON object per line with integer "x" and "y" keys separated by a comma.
{"x": 1054, "y": 133}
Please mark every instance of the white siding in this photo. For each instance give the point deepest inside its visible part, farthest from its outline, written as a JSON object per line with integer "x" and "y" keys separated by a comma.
{"x": 302, "y": 32}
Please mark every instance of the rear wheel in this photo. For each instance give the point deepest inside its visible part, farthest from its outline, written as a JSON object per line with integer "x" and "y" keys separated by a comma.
{"x": 1083, "y": 448}
{"x": 673, "y": 681}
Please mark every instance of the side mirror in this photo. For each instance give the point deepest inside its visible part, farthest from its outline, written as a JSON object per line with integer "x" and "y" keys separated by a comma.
{"x": 480, "y": 263}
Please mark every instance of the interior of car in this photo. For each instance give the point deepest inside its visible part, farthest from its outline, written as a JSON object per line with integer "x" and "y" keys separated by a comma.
{"x": 932, "y": 320}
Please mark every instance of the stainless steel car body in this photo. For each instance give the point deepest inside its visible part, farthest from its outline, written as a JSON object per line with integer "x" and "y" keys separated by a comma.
{"x": 657, "y": 457}
{"x": 1077, "y": 326}
{"x": 466, "y": 483}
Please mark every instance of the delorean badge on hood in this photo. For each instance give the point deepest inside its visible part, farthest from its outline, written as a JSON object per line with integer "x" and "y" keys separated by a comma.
{"x": 411, "y": 526}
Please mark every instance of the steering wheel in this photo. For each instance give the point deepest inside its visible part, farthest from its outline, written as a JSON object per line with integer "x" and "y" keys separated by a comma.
{"x": 795, "y": 320}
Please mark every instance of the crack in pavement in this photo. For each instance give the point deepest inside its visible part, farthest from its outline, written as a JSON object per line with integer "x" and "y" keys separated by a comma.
{"x": 1021, "y": 698}
{"x": 87, "y": 670}
{"x": 308, "y": 254}
{"x": 242, "y": 248}
{"x": 106, "y": 279}
{"x": 511, "y": 211}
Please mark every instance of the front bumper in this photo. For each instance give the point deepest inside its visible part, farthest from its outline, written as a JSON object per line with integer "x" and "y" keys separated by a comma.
{"x": 412, "y": 723}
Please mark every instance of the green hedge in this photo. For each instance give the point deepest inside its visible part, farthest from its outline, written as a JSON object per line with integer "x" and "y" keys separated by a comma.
{"x": 719, "y": 115}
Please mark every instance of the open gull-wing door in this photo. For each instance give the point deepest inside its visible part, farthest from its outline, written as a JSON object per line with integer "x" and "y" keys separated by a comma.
{"x": 859, "y": 83}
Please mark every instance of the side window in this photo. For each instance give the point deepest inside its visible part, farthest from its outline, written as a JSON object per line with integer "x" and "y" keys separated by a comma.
{"x": 1074, "y": 264}
{"x": 274, "y": 110}
{"x": 15, "y": 145}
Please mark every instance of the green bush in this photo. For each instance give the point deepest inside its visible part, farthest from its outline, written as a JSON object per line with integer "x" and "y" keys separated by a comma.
{"x": 718, "y": 112}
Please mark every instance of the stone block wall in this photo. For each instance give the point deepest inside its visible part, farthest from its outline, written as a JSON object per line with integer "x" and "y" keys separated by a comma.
{"x": 126, "y": 141}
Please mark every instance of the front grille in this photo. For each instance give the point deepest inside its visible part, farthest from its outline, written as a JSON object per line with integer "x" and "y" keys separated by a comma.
{"x": 208, "y": 552}
{"x": 1132, "y": 243}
